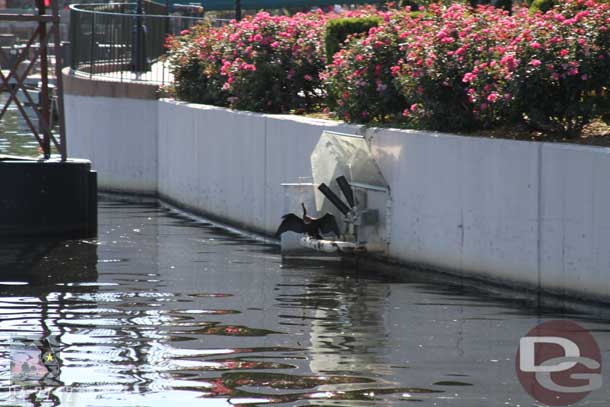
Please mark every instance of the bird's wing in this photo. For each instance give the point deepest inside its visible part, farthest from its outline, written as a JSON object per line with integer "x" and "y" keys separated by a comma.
{"x": 328, "y": 224}
{"x": 290, "y": 222}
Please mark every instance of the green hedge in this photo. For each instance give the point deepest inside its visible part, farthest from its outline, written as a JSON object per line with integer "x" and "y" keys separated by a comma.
{"x": 339, "y": 29}
{"x": 541, "y": 5}
{"x": 545, "y": 5}
{"x": 505, "y": 4}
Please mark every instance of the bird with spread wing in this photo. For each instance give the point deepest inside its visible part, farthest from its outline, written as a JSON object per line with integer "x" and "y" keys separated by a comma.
{"x": 314, "y": 227}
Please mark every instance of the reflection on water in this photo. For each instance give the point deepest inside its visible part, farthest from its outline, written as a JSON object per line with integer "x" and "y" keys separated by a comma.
{"x": 164, "y": 309}
{"x": 16, "y": 138}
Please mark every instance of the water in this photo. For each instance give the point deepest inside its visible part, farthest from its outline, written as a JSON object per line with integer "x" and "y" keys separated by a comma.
{"x": 166, "y": 309}
{"x": 16, "y": 138}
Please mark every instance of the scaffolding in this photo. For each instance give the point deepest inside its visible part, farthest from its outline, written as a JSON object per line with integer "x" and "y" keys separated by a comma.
{"x": 14, "y": 80}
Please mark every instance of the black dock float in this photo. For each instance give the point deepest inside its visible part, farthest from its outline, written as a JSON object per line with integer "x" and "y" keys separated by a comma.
{"x": 47, "y": 198}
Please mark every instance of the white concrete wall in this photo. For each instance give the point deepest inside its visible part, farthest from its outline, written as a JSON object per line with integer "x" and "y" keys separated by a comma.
{"x": 534, "y": 213}
{"x": 119, "y": 136}
{"x": 232, "y": 164}
{"x": 462, "y": 203}
{"x": 530, "y": 213}
{"x": 575, "y": 218}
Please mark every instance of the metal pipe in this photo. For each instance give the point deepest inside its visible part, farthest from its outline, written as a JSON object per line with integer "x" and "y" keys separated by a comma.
{"x": 238, "y": 10}
{"x": 347, "y": 190}
{"x": 59, "y": 88}
{"x": 138, "y": 51}
{"x": 92, "y": 45}
{"x": 43, "y": 105}
{"x": 334, "y": 199}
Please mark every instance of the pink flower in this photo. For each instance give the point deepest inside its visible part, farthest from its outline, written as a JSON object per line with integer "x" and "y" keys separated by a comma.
{"x": 246, "y": 67}
{"x": 493, "y": 96}
{"x": 564, "y": 52}
{"x": 413, "y": 107}
{"x": 184, "y": 32}
{"x": 569, "y": 21}
{"x": 509, "y": 60}
{"x": 535, "y": 62}
{"x": 275, "y": 44}
{"x": 308, "y": 77}
{"x": 469, "y": 77}
{"x": 461, "y": 50}
{"x": 535, "y": 45}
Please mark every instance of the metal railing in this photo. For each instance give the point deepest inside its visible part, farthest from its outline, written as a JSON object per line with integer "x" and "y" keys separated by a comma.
{"x": 212, "y": 5}
{"x": 112, "y": 40}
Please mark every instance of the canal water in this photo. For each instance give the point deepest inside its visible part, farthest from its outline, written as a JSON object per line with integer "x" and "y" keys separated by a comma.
{"x": 166, "y": 310}
{"x": 16, "y": 138}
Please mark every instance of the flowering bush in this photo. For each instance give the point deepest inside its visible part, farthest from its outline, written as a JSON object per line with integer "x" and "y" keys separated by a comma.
{"x": 193, "y": 80}
{"x": 359, "y": 80}
{"x": 562, "y": 75}
{"x": 447, "y": 67}
{"x": 451, "y": 72}
{"x": 262, "y": 63}
{"x": 464, "y": 69}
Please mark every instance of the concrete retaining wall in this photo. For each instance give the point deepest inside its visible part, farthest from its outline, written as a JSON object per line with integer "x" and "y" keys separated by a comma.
{"x": 520, "y": 212}
{"x": 231, "y": 164}
{"x": 533, "y": 213}
{"x": 119, "y": 136}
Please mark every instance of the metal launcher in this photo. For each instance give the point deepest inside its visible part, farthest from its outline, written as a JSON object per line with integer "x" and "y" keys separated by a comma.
{"x": 348, "y": 183}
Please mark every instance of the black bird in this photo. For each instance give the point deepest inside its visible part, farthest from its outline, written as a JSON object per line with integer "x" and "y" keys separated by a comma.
{"x": 313, "y": 227}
